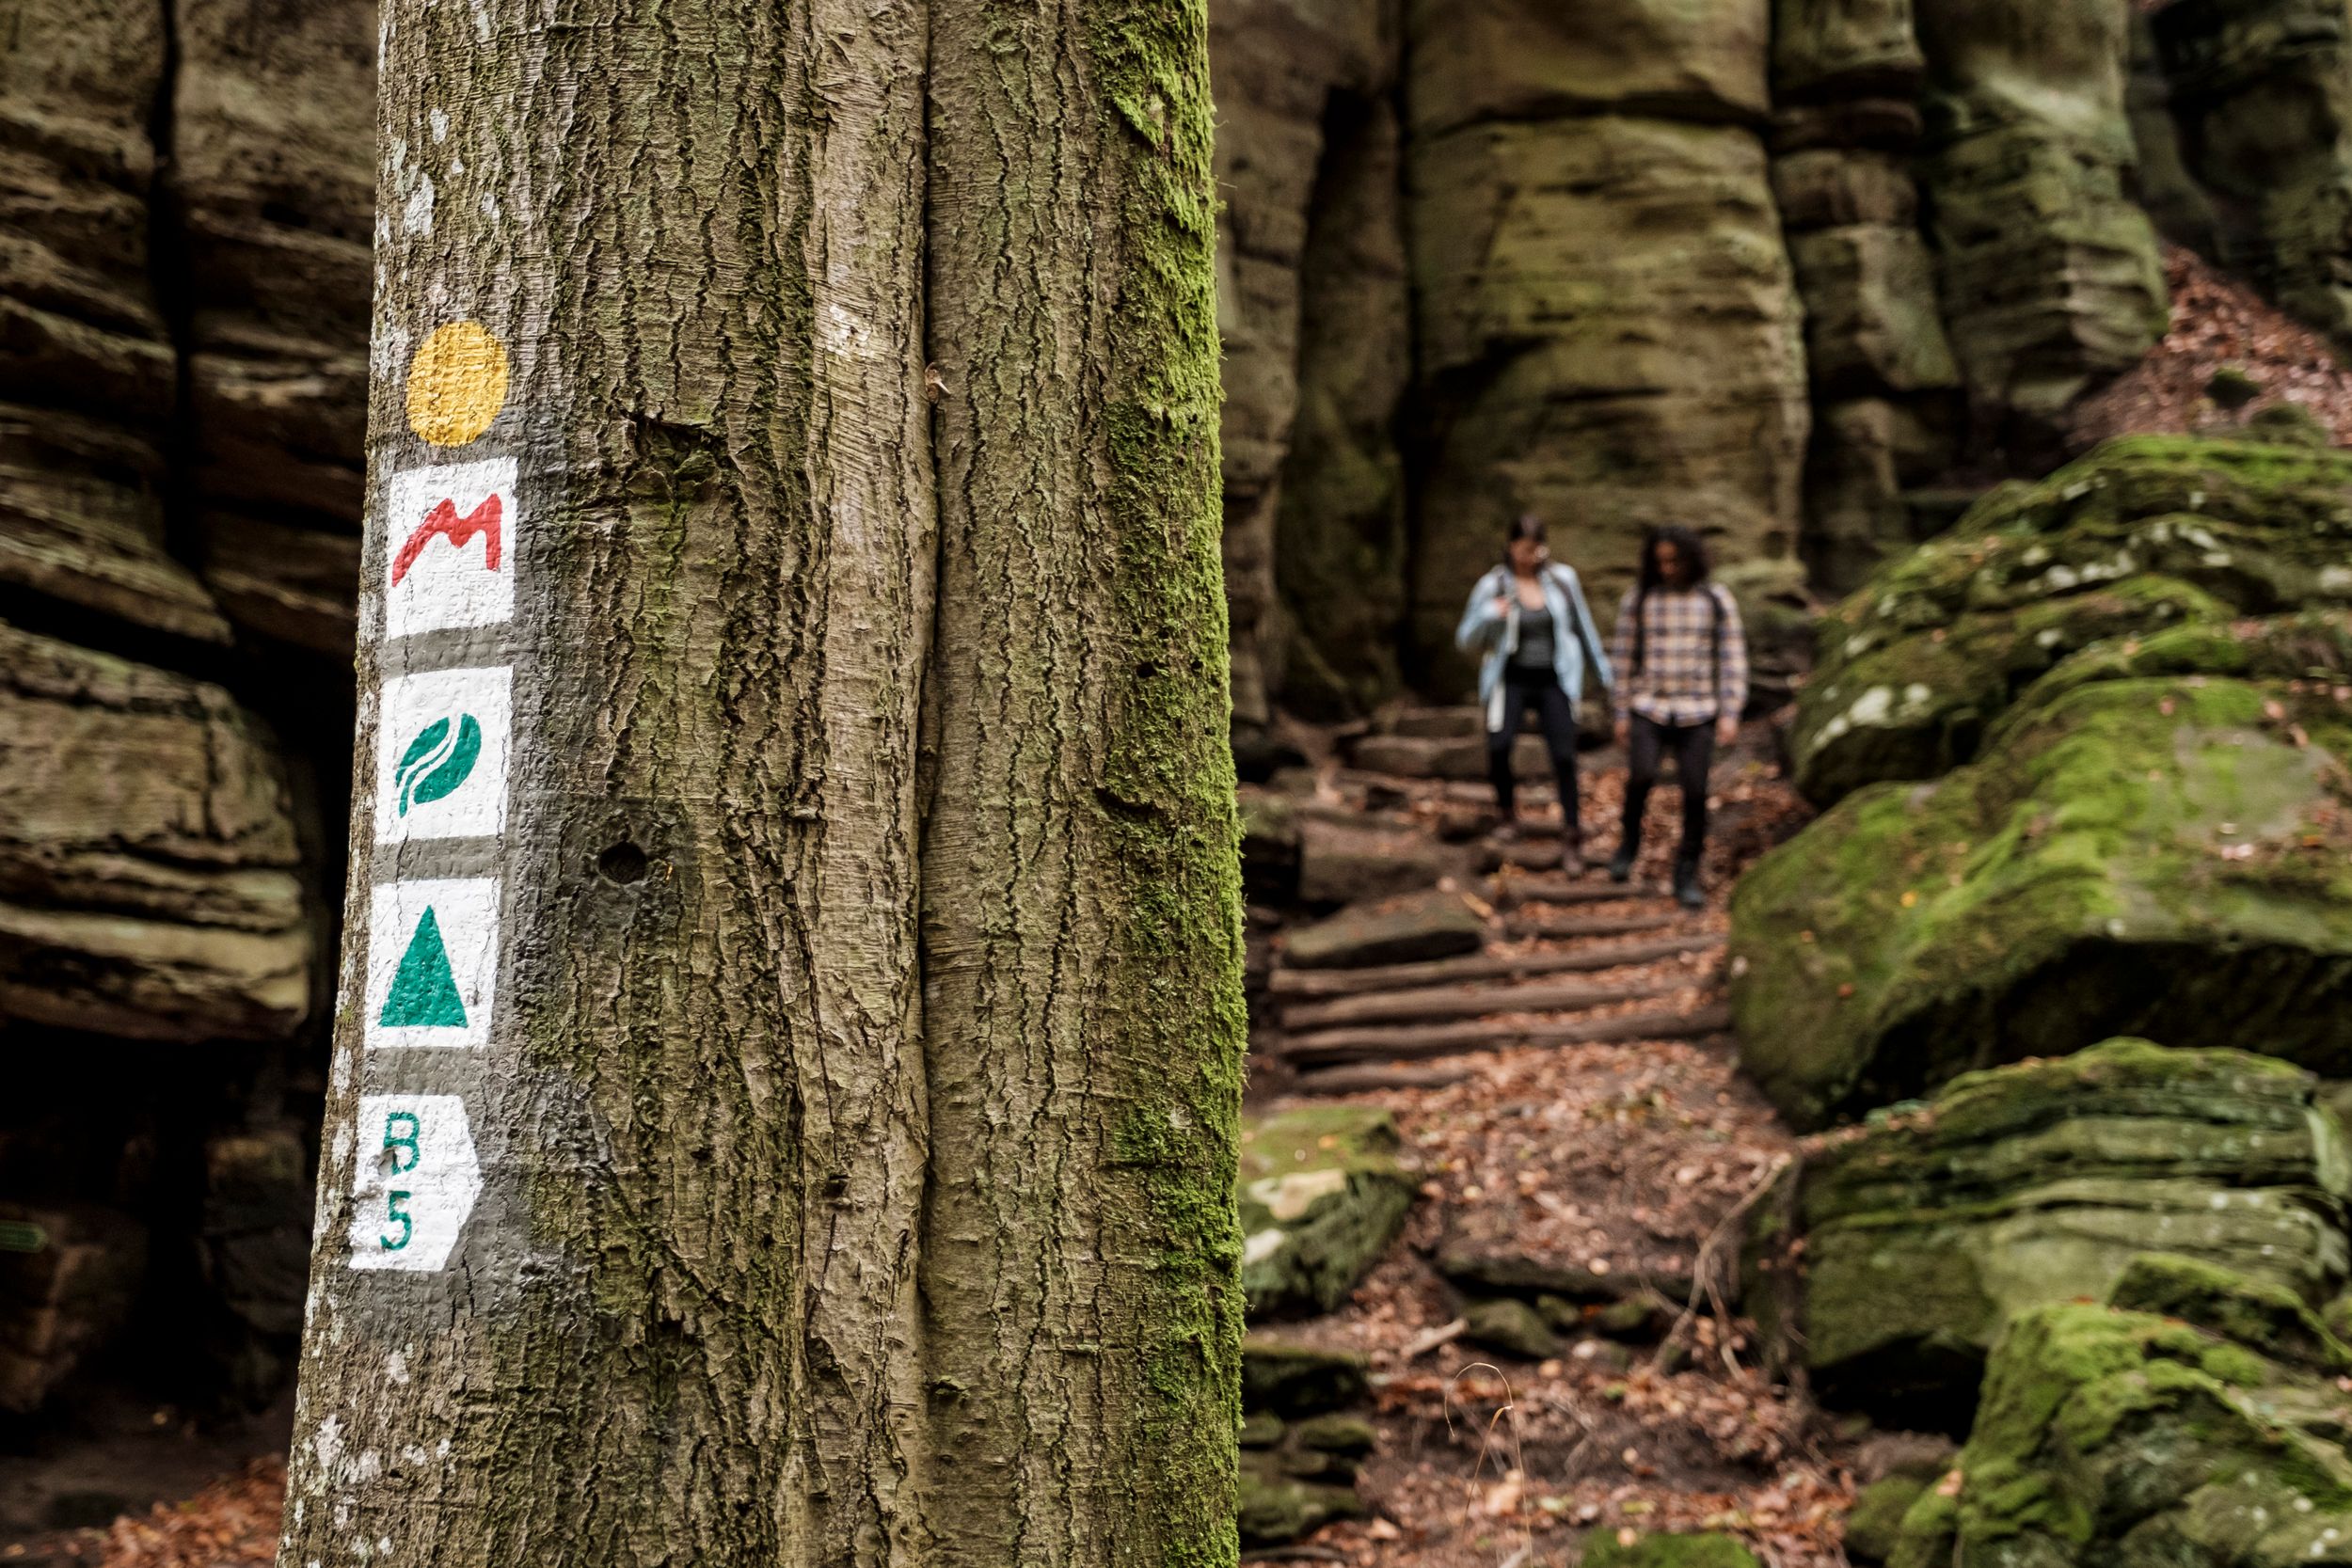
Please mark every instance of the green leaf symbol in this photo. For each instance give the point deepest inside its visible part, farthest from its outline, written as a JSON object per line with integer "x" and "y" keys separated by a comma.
{"x": 437, "y": 761}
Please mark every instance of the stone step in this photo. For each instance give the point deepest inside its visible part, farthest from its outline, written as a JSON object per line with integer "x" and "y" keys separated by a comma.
{"x": 1460, "y": 723}
{"x": 1405, "y": 931}
{"x": 1488, "y": 966}
{"x": 1333, "y": 1047}
{"x": 1372, "y": 1077}
{"x": 1342, "y": 863}
{"x": 1440, "y": 1004}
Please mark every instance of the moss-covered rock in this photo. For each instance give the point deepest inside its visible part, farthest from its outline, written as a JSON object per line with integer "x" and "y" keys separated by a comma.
{"x": 1294, "y": 1380}
{"x": 1299, "y": 1474}
{"x": 1925, "y": 1233}
{"x": 1322, "y": 1197}
{"x": 1513, "y": 1326}
{"x": 2144, "y": 533}
{"x": 1875, "y": 1522}
{"x": 1278, "y": 1506}
{"x": 2126, "y": 1438}
{"x": 2164, "y": 854}
{"x": 1609, "y": 1549}
{"x": 2246, "y": 1307}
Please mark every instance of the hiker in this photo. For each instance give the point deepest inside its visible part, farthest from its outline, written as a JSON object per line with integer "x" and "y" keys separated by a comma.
{"x": 1528, "y": 621}
{"x": 1683, "y": 679}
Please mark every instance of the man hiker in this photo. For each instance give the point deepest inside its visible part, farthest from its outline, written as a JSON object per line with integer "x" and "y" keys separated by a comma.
{"x": 1682, "y": 679}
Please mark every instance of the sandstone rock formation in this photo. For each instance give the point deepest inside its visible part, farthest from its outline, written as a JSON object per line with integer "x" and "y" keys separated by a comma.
{"x": 1608, "y": 330}
{"x": 1925, "y": 1235}
{"x": 63, "y": 1292}
{"x": 148, "y": 855}
{"x": 1322, "y": 1197}
{"x": 1310, "y": 304}
{"x": 1846, "y": 79}
{"x": 2153, "y": 842}
{"x": 272, "y": 125}
{"x": 87, "y": 371}
{"x": 2143, "y": 533}
{"x": 2050, "y": 276}
{"x": 2261, "y": 96}
{"x": 2197, "y": 1417}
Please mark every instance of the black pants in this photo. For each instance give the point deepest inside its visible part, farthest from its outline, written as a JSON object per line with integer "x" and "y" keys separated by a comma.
{"x": 1692, "y": 747}
{"x": 1540, "y": 691}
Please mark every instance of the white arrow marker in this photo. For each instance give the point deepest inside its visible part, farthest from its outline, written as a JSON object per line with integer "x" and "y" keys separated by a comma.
{"x": 416, "y": 1182}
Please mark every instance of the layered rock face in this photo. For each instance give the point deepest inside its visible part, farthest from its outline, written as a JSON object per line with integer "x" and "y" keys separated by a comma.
{"x": 273, "y": 128}
{"x": 2050, "y": 276}
{"x": 2143, "y": 533}
{"x": 1312, "y": 309}
{"x": 1608, "y": 329}
{"x": 1924, "y": 1236}
{"x": 185, "y": 196}
{"x": 88, "y": 369}
{"x": 1846, "y": 78}
{"x": 148, "y": 855}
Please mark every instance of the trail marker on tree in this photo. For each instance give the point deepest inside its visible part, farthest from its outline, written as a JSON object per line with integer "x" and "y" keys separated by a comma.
{"x": 415, "y": 1185}
{"x": 432, "y": 962}
{"x": 456, "y": 535}
{"x": 442, "y": 743}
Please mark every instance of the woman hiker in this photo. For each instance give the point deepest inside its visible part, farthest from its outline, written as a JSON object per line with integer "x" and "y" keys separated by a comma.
{"x": 1682, "y": 664}
{"x": 1528, "y": 621}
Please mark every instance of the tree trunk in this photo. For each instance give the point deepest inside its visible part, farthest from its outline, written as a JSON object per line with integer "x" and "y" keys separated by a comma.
{"x": 787, "y": 1074}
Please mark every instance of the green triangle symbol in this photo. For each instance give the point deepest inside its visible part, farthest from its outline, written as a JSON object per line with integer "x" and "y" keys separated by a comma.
{"x": 424, "y": 992}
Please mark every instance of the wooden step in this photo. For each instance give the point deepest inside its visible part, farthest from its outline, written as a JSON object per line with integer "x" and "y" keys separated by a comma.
{"x": 1372, "y": 1076}
{"x": 1332, "y": 1047}
{"x": 1485, "y": 966}
{"x": 1510, "y": 891}
{"x": 1562, "y": 925}
{"x": 1408, "y": 756}
{"x": 1442, "y": 1003}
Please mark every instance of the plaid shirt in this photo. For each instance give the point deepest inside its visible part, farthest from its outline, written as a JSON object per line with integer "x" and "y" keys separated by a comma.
{"x": 1674, "y": 685}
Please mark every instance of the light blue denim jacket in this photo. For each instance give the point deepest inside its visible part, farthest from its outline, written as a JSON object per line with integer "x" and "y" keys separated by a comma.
{"x": 1495, "y": 636}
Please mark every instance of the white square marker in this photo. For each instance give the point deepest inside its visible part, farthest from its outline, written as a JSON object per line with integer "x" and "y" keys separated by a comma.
{"x": 433, "y": 953}
{"x": 441, "y": 743}
{"x": 415, "y": 1177}
{"x": 452, "y": 538}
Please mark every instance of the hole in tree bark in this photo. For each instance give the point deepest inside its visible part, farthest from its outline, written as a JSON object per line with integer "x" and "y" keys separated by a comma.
{"x": 623, "y": 863}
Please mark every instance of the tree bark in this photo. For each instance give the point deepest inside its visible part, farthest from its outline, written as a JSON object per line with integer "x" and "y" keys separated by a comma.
{"x": 1082, "y": 937}
{"x": 849, "y": 1038}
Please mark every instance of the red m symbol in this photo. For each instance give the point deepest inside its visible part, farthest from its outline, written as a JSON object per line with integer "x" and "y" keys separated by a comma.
{"x": 444, "y": 521}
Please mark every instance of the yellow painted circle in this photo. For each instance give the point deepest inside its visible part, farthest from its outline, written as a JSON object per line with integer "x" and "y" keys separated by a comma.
{"x": 456, "y": 384}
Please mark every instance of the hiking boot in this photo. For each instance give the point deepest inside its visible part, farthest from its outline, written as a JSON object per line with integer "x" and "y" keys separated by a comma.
{"x": 1621, "y": 863}
{"x": 1687, "y": 890}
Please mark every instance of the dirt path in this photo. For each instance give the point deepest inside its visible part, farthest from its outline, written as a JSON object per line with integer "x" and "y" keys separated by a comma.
{"x": 1616, "y": 1155}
